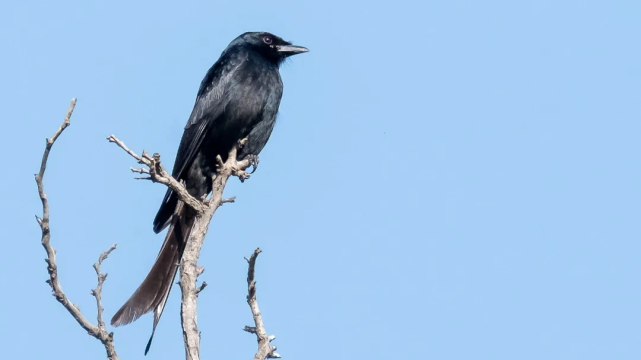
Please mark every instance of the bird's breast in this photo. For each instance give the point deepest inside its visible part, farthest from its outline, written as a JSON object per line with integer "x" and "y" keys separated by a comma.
{"x": 252, "y": 94}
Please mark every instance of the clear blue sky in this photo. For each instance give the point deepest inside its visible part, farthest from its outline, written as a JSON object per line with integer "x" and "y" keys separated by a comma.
{"x": 447, "y": 180}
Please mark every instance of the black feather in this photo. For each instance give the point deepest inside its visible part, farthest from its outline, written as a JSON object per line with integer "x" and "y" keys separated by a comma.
{"x": 238, "y": 98}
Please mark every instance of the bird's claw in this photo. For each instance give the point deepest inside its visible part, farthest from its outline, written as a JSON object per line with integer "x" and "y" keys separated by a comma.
{"x": 242, "y": 175}
{"x": 253, "y": 162}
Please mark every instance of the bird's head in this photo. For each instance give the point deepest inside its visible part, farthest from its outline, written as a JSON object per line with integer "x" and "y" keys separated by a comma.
{"x": 272, "y": 47}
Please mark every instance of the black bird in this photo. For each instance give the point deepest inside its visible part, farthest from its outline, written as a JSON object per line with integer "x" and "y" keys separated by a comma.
{"x": 238, "y": 98}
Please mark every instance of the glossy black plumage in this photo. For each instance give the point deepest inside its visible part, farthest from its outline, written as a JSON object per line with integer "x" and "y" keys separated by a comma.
{"x": 238, "y": 98}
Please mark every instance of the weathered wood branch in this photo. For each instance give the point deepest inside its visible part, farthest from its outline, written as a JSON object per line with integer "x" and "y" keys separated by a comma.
{"x": 189, "y": 270}
{"x": 98, "y": 331}
{"x": 265, "y": 349}
{"x": 205, "y": 209}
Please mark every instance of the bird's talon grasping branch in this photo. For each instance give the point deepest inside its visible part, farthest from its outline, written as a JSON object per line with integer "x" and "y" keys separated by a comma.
{"x": 253, "y": 162}
{"x": 242, "y": 175}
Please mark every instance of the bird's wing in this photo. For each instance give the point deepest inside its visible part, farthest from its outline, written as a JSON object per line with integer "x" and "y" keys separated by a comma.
{"x": 210, "y": 104}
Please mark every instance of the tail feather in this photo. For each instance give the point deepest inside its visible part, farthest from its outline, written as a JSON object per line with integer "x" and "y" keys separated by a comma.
{"x": 153, "y": 293}
{"x": 165, "y": 212}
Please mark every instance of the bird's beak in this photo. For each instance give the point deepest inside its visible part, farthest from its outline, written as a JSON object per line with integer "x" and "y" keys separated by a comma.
{"x": 289, "y": 50}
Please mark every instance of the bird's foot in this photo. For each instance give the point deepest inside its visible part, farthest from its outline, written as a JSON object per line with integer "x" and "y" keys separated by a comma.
{"x": 253, "y": 162}
{"x": 241, "y": 174}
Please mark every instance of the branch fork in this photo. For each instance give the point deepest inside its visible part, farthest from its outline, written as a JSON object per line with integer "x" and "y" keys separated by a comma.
{"x": 189, "y": 270}
{"x": 205, "y": 209}
{"x": 98, "y": 331}
{"x": 265, "y": 349}
{"x": 157, "y": 173}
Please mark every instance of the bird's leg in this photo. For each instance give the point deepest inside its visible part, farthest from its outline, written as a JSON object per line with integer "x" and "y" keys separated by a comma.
{"x": 253, "y": 162}
{"x": 238, "y": 168}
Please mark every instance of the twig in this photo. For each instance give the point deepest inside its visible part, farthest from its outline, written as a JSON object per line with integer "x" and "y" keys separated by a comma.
{"x": 99, "y": 332}
{"x": 199, "y": 271}
{"x": 265, "y": 349}
{"x": 97, "y": 293}
{"x": 201, "y": 287}
{"x": 157, "y": 173}
{"x": 229, "y": 200}
{"x": 140, "y": 171}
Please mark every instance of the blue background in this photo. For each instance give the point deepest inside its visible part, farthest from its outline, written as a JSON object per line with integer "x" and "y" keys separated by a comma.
{"x": 447, "y": 180}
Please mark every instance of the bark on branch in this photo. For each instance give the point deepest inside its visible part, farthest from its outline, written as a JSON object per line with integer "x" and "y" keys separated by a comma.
{"x": 98, "y": 331}
{"x": 265, "y": 349}
{"x": 189, "y": 270}
{"x": 205, "y": 209}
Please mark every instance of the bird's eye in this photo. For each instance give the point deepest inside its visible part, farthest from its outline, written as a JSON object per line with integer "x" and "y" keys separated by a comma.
{"x": 267, "y": 40}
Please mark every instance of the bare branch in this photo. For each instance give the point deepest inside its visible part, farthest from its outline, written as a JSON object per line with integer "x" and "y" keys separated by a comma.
{"x": 229, "y": 200}
{"x": 189, "y": 268}
{"x": 199, "y": 271}
{"x": 140, "y": 171}
{"x": 99, "y": 332}
{"x": 205, "y": 209}
{"x": 265, "y": 349}
{"x": 201, "y": 287}
{"x": 97, "y": 293}
{"x": 157, "y": 173}
{"x": 114, "y": 139}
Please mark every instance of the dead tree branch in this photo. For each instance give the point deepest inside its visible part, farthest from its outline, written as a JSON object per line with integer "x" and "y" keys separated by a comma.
{"x": 99, "y": 331}
{"x": 265, "y": 349}
{"x": 205, "y": 209}
{"x": 157, "y": 173}
{"x": 189, "y": 270}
